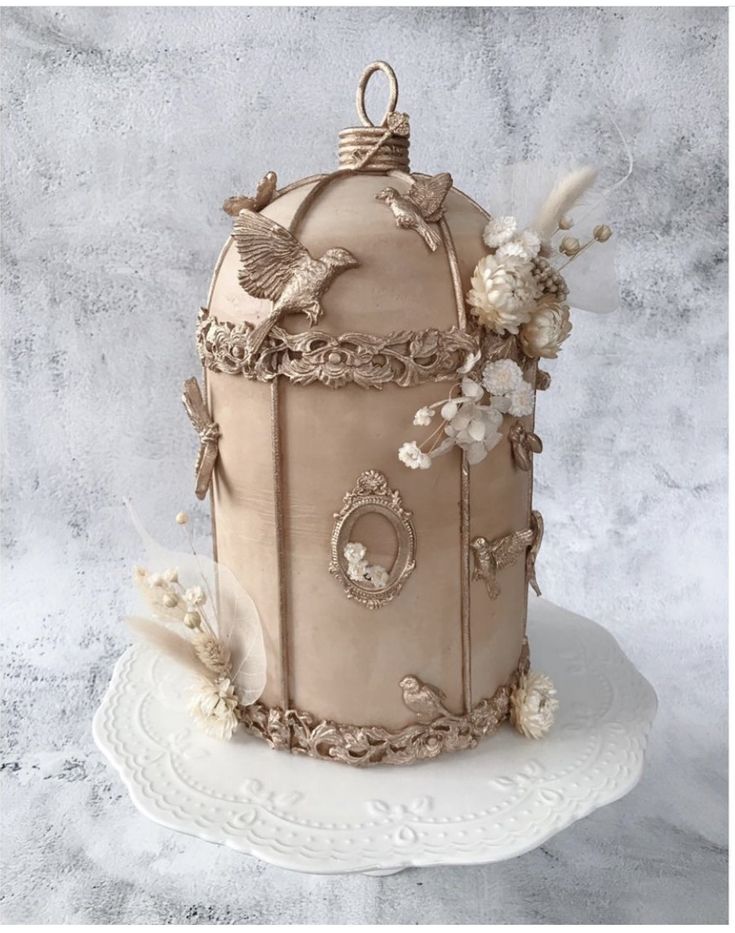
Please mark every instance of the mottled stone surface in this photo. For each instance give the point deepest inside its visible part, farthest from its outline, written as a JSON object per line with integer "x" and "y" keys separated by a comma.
{"x": 124, "y": 129}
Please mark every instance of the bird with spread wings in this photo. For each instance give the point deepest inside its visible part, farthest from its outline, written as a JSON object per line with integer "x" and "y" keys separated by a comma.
{"x": 492, "y": 556}
{"x": 275, "y": 266}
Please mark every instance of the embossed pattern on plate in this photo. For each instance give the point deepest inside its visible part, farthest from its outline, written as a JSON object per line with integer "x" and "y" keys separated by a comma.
{"x": 502, "y": 799}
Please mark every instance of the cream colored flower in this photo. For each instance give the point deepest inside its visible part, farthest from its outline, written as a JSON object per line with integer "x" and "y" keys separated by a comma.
{"x": 214, "y": 708}
{"x": 547, "y": 330}
{"x": 471, "y": 389}
{"x": 521, "y": 401}
{"x": 354, "y": 551}
{"x": 423, "y": 417}
{"x": 533, "y": 705}
{"x": 502, "y": 377}
{"x": 525, "y": 245}
{"x": 474, "y": 428}
{"x": 378, "y": 576}
{"x": 194, "y": 597}
{"x": 357, "y": 570}
{"x": 513, "y": 248}
{"x": 498, "y": 231}
{"x": 413, "y": 457}
{"x": 503, "y": 293}
{"x": 532, "y": 241}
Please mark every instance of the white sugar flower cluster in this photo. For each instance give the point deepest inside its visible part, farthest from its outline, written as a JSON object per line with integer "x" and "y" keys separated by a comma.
{"x": 469, "y": 420}
{"x": 470, "y": 425}
{"x": 508, "y": 295}
{"x": 362, "y": 572}
{"x": 411, "y": 455}
{"x": 502, "y": 235}
{"x": 504, "y": 378}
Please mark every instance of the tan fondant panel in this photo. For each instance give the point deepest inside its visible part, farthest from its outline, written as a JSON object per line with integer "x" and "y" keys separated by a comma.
{"x": 499, "y": 505}
{"x": 347, "y": 660}
{"x": 244, "y": 502}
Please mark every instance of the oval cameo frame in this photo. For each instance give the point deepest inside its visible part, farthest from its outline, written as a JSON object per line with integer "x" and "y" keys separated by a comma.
{"x": 372, "y": 494}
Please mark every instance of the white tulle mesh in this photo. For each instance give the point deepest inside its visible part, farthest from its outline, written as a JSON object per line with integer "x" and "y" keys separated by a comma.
{"x": 519, "y": 189}
{"x": 238, "y": 623}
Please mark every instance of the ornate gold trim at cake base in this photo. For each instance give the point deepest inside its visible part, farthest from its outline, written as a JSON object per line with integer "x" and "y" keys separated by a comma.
{"x": 302, "y": 733}
{"x": 406, "y": 358}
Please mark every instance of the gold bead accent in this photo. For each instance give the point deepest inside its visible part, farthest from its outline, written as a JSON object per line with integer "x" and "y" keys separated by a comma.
{"x": 192, "y": 619}
{"x": 570, "y": 246}
{"x": 182, "y": 518}
{"x": 566, "y": 223}
{"x": 602, "y": 233}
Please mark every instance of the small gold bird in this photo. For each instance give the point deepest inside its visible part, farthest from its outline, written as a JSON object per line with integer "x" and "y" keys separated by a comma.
{"x": 492, "y": 556}
{"x": 421, "y": 205}
{"x": 263, "y": 197}
{"x": 275, "y": 266}
{"x": 423, "y": 700}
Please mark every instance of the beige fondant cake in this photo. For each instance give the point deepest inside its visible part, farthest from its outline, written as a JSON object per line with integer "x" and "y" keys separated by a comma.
{"x": 370, "y": 348}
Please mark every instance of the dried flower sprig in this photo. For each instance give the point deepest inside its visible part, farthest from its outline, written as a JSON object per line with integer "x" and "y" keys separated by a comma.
{"x": 228, "y": 661}
{"x": 169, "y": 601}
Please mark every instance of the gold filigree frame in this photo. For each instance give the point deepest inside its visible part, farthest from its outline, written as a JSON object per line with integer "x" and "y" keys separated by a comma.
{"x": 372, "y": 495}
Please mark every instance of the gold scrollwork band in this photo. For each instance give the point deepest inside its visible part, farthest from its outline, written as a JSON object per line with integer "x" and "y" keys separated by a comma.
{"x": 302, "y": 733}
{"x": 406, "y": 358}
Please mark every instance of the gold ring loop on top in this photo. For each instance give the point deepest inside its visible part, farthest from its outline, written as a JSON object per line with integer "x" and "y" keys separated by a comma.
{"x": 362, "y": 85}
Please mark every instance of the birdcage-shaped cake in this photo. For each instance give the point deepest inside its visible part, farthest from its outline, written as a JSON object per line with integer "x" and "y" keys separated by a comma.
{"x": 370, "y": 367}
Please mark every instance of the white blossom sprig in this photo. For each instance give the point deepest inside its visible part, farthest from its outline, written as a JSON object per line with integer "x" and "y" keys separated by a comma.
{"x": 471, "y": 415}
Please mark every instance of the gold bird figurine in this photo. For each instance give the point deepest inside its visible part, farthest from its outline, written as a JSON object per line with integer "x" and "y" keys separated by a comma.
{"x": 263, "y": 197}
{"x": 275, "y": 266}
{"x": 492, "y": 556}
{"x": 423, "y": 700}
{"x": 421, "y": 205}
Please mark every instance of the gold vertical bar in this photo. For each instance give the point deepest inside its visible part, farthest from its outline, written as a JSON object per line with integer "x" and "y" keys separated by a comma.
{"x": 276, "y": 404}
{"x": 464, "y": 498}
{"x": 534, "y": 371}
{"x": 464, "y": 532}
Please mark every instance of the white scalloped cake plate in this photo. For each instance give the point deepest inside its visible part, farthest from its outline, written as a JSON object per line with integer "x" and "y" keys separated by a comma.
{"x": 500, "y": 800}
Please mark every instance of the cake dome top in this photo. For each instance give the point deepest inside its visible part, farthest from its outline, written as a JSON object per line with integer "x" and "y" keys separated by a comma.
{"x": 408, "y": 270}
{"x": 369, "y": 274}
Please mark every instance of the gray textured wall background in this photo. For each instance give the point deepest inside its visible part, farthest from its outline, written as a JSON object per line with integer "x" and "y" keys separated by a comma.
{"x": 124, "y": 129}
